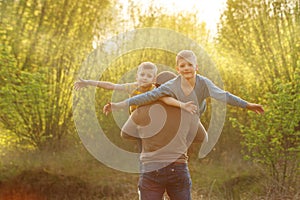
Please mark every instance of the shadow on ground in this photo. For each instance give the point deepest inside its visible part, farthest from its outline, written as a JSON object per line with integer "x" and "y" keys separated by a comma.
{"x": 42, "y": 185}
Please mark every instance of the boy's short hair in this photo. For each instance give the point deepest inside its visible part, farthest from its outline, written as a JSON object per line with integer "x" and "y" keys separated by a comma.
{"x": 163, "y": 77}
{"x": 188, "y": 55}
{"x": 147, "y": 65}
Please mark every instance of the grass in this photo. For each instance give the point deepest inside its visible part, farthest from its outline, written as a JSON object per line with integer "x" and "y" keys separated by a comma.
{"x": 74, "y": 171}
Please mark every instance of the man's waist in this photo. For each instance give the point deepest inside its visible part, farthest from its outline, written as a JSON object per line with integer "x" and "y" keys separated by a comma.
{"x": 154, "y": 166}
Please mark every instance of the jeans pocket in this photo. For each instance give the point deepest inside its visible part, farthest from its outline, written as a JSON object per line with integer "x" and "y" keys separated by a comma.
{"x": 180, "y": 177}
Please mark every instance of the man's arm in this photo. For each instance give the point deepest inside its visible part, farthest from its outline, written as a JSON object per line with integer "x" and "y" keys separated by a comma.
{"x": 129, "y": 129}
{"x": 201, "y": 134}
{"x": 188, "y": 106}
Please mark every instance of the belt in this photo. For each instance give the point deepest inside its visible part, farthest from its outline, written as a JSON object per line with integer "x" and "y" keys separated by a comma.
{"x": 178, "y": 163}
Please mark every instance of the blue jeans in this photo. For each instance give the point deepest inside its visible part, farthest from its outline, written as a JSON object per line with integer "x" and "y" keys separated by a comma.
{"x": 175, "y": 179}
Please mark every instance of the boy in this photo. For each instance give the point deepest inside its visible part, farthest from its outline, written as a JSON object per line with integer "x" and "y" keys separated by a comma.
{"x": 188, "y": 86}
{"x": 145, "y": 79}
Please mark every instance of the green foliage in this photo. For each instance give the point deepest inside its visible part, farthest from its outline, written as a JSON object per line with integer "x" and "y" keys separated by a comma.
{"x": 274, "y": 140}
{"x": 23, "y": 104}
{"x": 264, "y": 35}
{"x": 186, "y": 23}
{"x": 43, "y": 44}
{"x": 261, "y": 36}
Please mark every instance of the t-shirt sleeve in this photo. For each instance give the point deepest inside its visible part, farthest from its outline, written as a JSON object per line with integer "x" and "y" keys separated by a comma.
{"x": 129, "y": 129}
{"x": 129, "y": 87}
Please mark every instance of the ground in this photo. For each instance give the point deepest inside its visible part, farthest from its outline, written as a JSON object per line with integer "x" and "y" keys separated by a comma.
{"x": 41, "y": 185}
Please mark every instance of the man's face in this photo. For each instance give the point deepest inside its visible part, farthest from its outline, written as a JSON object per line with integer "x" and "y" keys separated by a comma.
{"x": 186, "y": 69}
{"x": 145, "y": 77}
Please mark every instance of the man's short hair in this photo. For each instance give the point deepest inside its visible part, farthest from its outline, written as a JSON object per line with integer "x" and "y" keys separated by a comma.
{"x": 164, "y": 76}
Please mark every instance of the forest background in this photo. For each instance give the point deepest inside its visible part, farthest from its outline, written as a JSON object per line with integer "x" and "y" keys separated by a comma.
{"x": 43, "y": 46}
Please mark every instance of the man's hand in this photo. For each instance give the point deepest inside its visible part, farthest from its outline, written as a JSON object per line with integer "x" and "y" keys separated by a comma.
{"x": 255, "y": 108}
{"x": 114, "y": 106}
{"x": 189, "y": 107}
{"x": 80, "y": 84}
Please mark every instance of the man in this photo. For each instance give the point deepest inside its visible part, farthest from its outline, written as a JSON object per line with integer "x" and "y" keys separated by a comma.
{"x": 166, "y": 133}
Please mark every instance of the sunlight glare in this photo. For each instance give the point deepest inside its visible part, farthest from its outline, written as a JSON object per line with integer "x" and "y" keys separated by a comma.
{"x": 208, "y": 11}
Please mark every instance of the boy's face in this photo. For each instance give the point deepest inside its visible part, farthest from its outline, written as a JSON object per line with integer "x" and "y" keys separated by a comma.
{"x": 145, "y": 77}
{"x": 186, "y": 69}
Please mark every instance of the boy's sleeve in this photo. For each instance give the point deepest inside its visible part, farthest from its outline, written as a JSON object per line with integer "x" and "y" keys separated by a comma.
{"x": 150, "y": 96}
{"x": 224, "y": 96}
{"x": 129, "y": 87}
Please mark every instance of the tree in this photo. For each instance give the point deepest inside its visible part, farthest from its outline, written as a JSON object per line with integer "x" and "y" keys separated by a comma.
{"x": 262, "y": 36}
{"x": 43, "y": 43}
{"x": 274, "y": 141}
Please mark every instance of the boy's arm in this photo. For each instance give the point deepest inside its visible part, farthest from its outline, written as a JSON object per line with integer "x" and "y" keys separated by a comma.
{"x": 231, "y": 99}
{"x": 102, "y": 84}
{"x": 109, "y": 107}
{"x": 257, "y": 108}
{"x": 188, "y": 106}
{"x": 150, "y": 96}
{"x": 110, "y": 85}
{"x": 224, "y": 96}
{"x": 140, "y": 99}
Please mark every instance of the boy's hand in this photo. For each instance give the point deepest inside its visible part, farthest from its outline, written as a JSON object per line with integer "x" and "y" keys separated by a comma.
{"x": 189, "y": 107}
{"x": 107, "y": 109}
{"x": 255, "y": 108}
{"x": 80, "y": 84}
{"x": 114, "y": 106}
